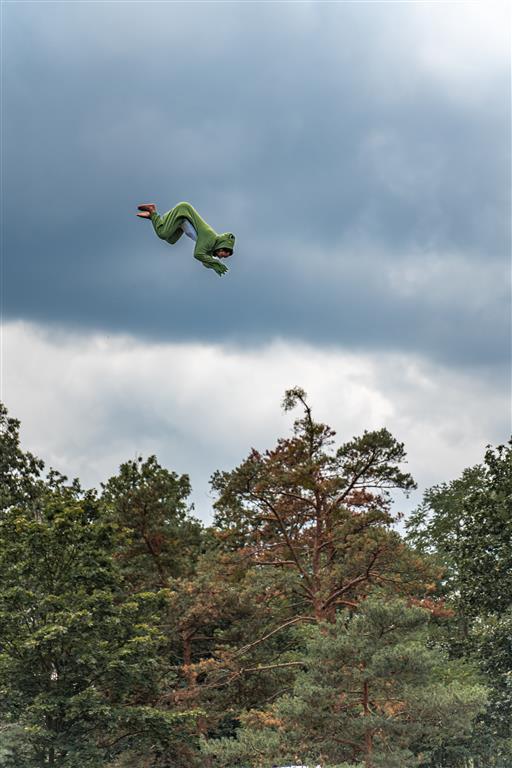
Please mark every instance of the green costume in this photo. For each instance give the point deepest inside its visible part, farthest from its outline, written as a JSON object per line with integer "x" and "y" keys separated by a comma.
{"x": 169, "y": 227}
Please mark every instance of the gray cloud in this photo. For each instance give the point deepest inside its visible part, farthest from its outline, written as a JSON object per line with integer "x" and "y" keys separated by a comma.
{"x": 88, "y": 403}
{"x": 356, "y": 151}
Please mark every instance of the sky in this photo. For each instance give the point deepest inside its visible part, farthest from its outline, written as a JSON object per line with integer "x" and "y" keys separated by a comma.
{"x": 360, "y": 151}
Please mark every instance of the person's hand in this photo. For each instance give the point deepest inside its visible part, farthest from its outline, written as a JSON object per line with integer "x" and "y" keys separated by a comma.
{"x": 220, "y": 269}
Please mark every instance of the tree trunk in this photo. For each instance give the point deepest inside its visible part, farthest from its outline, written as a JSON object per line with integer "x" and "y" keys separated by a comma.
{"x": 368, "y": 736}
{"x": 187, "y": 661}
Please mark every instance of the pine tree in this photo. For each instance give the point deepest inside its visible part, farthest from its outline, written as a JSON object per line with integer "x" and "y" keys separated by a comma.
{"x": 372, "y": 691}
{"x": 320, "y": 515}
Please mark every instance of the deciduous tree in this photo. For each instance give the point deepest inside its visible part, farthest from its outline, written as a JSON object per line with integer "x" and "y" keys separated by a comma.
{"x": 467, "y": 525}
{"x": 163, "y": 539}
{"x": 80, "y": 661}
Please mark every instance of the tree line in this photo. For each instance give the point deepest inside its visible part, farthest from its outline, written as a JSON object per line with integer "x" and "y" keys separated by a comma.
{"x": 300, "y": 627}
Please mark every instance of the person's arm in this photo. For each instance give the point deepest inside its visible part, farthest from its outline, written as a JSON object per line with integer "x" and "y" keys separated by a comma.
{"x": 209, "y": 261}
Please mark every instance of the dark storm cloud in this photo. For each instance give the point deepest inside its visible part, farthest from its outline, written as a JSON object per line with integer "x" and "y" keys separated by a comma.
{"x": 312, "y": 132}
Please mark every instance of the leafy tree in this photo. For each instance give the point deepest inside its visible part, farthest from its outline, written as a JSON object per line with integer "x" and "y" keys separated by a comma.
{"x": 371, "y": 691}
{"x": 80, "y": 663}
{"x": 20, "y": 471}
{"x": 467, "y": 526}
{"x": 482, "y": 550}
{"x": 163, "y": 540}
{"x": 209, "y": 609}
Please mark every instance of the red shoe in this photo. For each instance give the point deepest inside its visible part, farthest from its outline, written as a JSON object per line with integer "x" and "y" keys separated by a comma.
{"x": 149, "y": 207}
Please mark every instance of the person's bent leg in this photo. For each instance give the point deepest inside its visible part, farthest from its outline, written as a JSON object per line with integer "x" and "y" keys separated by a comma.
{"x": 166, "y": 226}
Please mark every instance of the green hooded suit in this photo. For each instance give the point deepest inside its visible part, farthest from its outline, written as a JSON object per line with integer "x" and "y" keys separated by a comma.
{"x": 168, "y": 227}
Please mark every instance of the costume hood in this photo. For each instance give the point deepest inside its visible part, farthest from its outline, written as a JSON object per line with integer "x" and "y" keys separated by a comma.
{"x": 226, "y": 240}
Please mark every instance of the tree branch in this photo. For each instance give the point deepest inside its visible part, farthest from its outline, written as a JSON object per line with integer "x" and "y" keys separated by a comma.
{"x": 352, "y": 484}
{"x": 288, "y": 540}
{"x": 246, "y": 648}
{"x": 275, "y": 666}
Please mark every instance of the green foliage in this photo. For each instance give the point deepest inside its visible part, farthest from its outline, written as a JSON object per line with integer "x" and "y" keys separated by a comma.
{"x": 79, "y": 657}
{"x": 319, "y": 513}
{"x": 128, "y": 633}
{"x": 371, "y": 690}
{"x": 20, "y": 471}
{"x": 467, "y": 526}
{"x": 483, "y": 551}
{"x": 150, "y": 503}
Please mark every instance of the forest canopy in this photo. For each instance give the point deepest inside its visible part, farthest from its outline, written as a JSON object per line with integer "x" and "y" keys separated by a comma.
{"x": 303, "y": 626}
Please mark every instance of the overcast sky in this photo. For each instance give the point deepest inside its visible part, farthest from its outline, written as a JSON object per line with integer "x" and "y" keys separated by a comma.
{"x": 360, "y": 151}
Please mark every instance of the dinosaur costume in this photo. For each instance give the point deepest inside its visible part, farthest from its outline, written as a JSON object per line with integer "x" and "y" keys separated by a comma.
{"x": 173, "y": 224}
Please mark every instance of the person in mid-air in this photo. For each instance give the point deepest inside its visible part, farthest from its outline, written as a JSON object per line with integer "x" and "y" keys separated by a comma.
{"x": 184, "y": 219}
